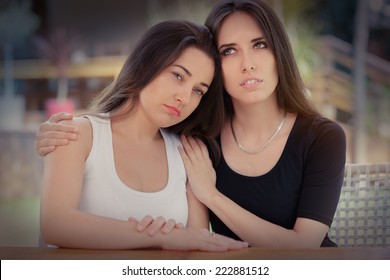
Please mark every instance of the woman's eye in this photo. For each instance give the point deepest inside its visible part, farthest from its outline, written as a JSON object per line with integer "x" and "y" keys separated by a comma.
{"x": 227, "y": 51}
{"x": 198, "y": 91}
{"x": 260, "y": 45}
{"x": 178, "y": 76}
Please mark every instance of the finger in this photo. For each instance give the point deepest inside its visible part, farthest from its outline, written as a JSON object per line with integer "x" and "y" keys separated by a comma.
{"x": 45, "y": 150}
{"x": 212, "y": 247}
{"x": 155, "y": 227}
{"x": 203, "y": 148}
{"x": 191, "y": 142}
{"x": 56, "y": 135}
{"x": 183, "y": 155}
{"x": 168, "y": 226}
{"x": 183, "y": 141}
{"x": 217, "y": 242}
{"x": 48, "y": 145}
{"x": 211, "y": 243}
{"x": 52, "y": 142}
{"x": 47, "y": 134}
{"x": 144, "y": 223}
{"x": 194, "y": 147}
{"x": 187, "y": 150}
{"x": 52, "y": 138}
{"x": 47, "y": 126}
{"x": 59, "y": 117}
{"x": 229, "y": 242}
{"x": 132, "y": 220}
{"x": 179, "y": 225}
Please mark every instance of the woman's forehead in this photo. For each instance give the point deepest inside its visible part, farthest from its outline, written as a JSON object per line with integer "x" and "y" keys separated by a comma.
{"x": 237, "y": 25}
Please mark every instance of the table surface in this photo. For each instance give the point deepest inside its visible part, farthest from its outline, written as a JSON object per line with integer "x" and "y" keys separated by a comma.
{"x": 341, "y": 253}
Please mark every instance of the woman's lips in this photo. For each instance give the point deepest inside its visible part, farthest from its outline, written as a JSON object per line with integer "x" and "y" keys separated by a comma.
{"x": 173, "y": 110}
{"x": 250, "y": 83}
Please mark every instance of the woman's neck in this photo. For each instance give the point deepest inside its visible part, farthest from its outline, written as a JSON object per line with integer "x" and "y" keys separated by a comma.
{"x": 257, "y": 118}
{"x": 134, "y": 126}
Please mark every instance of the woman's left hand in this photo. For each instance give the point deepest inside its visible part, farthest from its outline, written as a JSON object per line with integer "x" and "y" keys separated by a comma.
{"x": 199, "y": 168}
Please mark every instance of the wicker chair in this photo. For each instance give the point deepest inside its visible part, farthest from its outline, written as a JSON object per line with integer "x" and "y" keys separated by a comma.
{"x": 362, "y": 218}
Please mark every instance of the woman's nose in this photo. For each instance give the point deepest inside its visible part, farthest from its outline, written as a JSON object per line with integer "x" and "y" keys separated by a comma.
{"x": 184, "y": 95}
{"x": 247, "y": 64}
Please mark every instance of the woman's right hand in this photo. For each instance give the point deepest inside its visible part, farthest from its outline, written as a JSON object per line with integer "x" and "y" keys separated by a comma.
{"x": 153, "y": 226}
{"x": 199, "y": 239}
{"x": 52, "y": 133}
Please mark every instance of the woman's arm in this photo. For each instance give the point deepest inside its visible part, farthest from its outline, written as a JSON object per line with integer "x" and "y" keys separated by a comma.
{"x": 198, "y": 215}
{"x": 62, "y": 224}
{"x": 249, "y": 227}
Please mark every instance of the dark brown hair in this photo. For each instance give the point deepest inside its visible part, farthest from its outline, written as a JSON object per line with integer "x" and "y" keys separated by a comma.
{"x": 290, "y": 91}
{"x": 158, "y": 48}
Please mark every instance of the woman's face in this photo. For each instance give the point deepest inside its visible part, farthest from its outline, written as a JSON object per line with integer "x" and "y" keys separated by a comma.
{"x": 248, "y": 64}
{"x": 176, "y": 92}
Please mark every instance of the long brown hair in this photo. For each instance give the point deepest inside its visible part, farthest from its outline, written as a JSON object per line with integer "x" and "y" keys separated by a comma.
{"x": 158, "y": 48}
{"x": 290, "y": 91}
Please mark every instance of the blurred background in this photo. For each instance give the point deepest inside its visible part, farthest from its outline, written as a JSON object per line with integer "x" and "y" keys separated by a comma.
{"x": 57, "y": 55}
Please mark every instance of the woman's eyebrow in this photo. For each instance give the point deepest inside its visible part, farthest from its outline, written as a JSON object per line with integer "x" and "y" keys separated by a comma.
{"x": 257, "y": 39}
{"x": 184, "y": 69}
{"x": 204, "y": 84}
{"x": 189, "y": 73}
{"x": 226, "y": 45}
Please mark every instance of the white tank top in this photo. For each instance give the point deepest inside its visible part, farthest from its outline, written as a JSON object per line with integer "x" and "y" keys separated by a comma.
{"x": 106, "y": 195}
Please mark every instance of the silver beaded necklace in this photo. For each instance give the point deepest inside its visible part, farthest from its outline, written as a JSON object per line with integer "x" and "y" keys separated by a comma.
{"x": 265, "y": 145}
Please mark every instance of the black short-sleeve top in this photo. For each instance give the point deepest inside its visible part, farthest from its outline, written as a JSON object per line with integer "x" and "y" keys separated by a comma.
{"x": 305, "y": 182}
